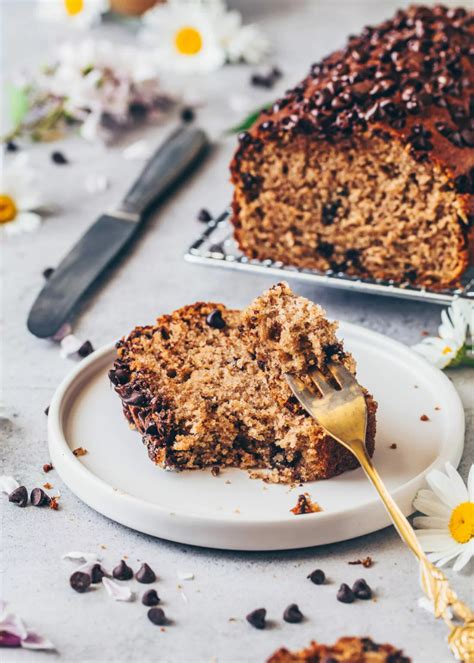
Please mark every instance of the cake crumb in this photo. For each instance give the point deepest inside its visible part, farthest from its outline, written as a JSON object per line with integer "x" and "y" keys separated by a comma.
{"x": 48, "y": 485}
{"x": 215, "y": 470}
{"x": 305, "y": 505}
{"x": 47, "y": 467}
{"x": 424, "y": 417}
{"x": 437, "y": 408}
{"x": 393, "y": 446}
{"x": 54, "y": 503}
{"x": 80, "y": 451}
{"x": 366, "y": 562}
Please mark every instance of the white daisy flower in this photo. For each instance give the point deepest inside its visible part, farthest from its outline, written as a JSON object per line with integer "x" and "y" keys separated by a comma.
{"x": 20, "y": 198}
{"x": 185, "y": 35}
{"x": 77, "y": 13}
{"x": 452, "y": 346}
{"x": 447, "y": 528}
{"x": 196, "y": 36}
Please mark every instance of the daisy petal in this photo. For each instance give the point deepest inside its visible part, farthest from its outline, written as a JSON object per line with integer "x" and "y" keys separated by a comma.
{"x": 463, "y": 558}
{"x": 431, "y": 522}
{"x": 470, "y": 484}
{"x": 443, "y": 488}
{"x": 453, "y": 552}
{"x": 434, "y": 540}
{"x": 427, "y": 502}
{"x": 457, "y": 484}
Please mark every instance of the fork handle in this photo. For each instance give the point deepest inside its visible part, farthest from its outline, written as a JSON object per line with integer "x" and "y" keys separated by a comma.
{"x": 434, "y": 582}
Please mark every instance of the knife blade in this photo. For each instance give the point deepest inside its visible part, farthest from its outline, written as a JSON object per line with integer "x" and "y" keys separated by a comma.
{"x": 106, "y": 240}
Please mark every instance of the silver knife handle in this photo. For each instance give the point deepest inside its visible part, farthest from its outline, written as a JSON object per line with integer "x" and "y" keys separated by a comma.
{"x": 166, "y": 166}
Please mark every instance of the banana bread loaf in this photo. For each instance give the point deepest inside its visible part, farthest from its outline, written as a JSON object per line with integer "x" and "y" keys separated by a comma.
{"x": 366, "y": 167}
{"x": 195, "y": 388}
{"x": 345, "y": 650}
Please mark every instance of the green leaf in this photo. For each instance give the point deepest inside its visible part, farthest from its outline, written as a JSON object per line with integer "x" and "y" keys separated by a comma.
{"x": 18, "y": 103}
{"x": 249, "y": 121}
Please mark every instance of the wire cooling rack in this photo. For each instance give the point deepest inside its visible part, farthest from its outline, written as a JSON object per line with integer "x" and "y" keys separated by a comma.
{"x": 216, "y": 248}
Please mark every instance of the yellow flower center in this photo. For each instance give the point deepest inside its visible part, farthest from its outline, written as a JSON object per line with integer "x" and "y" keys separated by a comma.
{"x": 74, "y": 7}
{"x": 461, "y": 523}
{"x": 447, "y": 350}
{"x": 188, "y": 41}
{"x": 7, "y": 208}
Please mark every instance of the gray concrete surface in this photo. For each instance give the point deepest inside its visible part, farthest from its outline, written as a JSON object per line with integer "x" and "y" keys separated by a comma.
{"x": 154, "y": 279}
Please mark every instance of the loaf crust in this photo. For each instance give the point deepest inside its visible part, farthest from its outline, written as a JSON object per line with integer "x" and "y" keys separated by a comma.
{"x": 200, "y": 397}
{"x": 345, "y": 650}
{"x": 400, "y": 94}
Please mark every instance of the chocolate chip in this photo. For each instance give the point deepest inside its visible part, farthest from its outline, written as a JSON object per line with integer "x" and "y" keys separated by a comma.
{"x": 19, "y": 496}
{"x": 46, "y": 411}
{"x": 85, "y": 349}
{"x": 326, "y": 249}
{"x": 97, "y": 573}
{"x": 11, "y": 146}
{"x": 151, "y": 429}
{"x": 215, "y": 320}
{"x": 145, "y": 574}
{"x": 245, "y": 138}
{"x": 47, "y": 467}
{"x": 257, "y": 618}
{"x": 122, "y": 571}
{"x": 80, "y": 581}
{"x": 48, "y": 272}
{"x": 204, "y": 215}
{"x": 59, "y": 158}
{"x": 345, "y": 594}
{"x": 293, "y": 614}
{"x": 362, "y": 590}
{"x": 329, "y": 213}
{"x": 150, "y": 598}
{"x": 411, "y": 275}
{"x": 39, "y": 498}
{"x": 317, "y": 577}
{"x": 188, "y": 114}
{"x": 119, "y": 376}
{"x": 157, "y": 616}
{"x": 136, "y": 398}
{"x": 360, "y": 55}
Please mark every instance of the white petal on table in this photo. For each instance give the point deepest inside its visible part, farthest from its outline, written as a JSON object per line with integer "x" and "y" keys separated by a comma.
{"x": 96, "y": 183}
{"x": 8, "y": 484}
{"x": 140, "y": 150}
{"x": 118, "y": 592}
{"x": 70, "y": 345}
{"x": 185, "y": 575}
{"x": 83, "y": 557}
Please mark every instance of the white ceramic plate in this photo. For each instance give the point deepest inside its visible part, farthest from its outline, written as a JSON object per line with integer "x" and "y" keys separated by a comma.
{"x": 231, "y": 510}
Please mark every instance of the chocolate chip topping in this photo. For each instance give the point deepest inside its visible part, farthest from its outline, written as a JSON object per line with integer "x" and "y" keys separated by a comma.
{"x": 122, "y": 571}
{"x": 293, "y": 614}
{"x": 85, "y": 349}
{"x": 80, "y": 581}
{"x": 59, "y": 158}
{"x": 345, "y": 594}
{"x": 157, "y": 616}
{"x": 19, "y": 496}
{"x": 97, "y": 573}
{"x": 317, "y": 577}
{"x": 362, "y": 590}
{"x": 409, "y": 68}
{"x": 215, "y": 320}
{"x": 150, "y": 598}
{"x": 39, "y": 498}
{"x": 204, "y": 216}
{"x": 257, "y": 618}
{"x": 145, "y": 574}
{"x": 48, "y": 272}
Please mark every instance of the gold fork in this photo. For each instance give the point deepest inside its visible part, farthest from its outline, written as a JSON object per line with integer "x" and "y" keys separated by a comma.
{"x": 338, "y": 404}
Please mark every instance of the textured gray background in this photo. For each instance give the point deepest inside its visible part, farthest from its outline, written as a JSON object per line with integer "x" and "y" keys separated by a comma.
{"x": 151, "y": 280}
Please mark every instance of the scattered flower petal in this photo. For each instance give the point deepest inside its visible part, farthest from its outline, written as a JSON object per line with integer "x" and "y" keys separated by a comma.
{"x": 20, "y": 197}
{"x": 118, "y": 591}
{"x": 96, "y": 183}
{"x": 141, "y": 149}
{"x": 70, "y": 345}
{"x": 81, "y": 15}
{"x": 185, "y": 575}
{"x": 14, "y": 632}
{"x": 8, "y": 484}
{"x": 85, "y": 557}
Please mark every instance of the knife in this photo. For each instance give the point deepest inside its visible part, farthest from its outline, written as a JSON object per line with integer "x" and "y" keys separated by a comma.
{"x": 107, "y": 238}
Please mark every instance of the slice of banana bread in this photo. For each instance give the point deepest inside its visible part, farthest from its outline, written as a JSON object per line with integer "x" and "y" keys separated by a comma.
{"x": 367, "y": 166}
{"x": 195, "y": 389}
{"x": 345, "y": 650}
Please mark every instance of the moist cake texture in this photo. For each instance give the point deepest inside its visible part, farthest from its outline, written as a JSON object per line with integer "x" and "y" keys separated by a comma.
{"x": 194, "y": 387}
{"x": 366, "y": 167}
{"x": 345, "y": 650}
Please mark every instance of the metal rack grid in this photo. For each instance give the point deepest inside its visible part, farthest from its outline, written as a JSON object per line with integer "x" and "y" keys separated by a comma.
{"x": 216, "y": 248}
